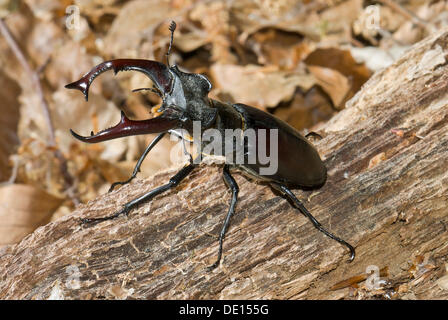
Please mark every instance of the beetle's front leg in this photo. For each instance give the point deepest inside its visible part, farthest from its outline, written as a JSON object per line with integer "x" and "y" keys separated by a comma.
{"x": 139, "y": 163}
{"x": 174, "y": 181}
{"x": 231, "y": 183}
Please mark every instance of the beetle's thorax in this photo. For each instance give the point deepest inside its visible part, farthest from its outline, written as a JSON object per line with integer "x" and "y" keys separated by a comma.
{"x": 189, "y": 97}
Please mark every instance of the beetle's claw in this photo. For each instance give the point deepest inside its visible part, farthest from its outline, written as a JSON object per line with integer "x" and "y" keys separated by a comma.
{"x": 77, "y": 136}
{"x": 85, "y": 221}
{"x": 156, "y": 71}
{"x": 127, "y": 127}
{"x": 82, "y": 85}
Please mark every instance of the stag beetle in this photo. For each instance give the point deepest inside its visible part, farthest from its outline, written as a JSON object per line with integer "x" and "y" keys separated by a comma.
{"x": 184, "y": 102}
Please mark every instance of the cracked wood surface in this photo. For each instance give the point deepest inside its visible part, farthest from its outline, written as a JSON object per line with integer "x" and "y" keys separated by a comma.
{"x": 386, "y": 194}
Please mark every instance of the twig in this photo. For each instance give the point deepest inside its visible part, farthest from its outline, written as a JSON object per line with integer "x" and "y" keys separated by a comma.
{"x": 34, "y": 75}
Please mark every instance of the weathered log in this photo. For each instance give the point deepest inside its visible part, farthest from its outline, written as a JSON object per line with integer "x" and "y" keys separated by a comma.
{"x": 393, "y": 209}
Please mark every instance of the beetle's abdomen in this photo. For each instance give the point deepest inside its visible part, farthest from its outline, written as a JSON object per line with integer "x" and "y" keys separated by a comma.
{"x": 299, "y": 163}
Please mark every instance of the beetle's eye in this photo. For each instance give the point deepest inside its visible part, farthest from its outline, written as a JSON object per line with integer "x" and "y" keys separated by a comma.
{"x": 176, "y": 98}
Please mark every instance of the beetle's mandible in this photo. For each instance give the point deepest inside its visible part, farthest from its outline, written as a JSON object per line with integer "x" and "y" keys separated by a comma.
{"x": 185, "y": 101}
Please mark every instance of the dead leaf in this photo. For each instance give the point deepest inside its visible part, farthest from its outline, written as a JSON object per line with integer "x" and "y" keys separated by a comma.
{"x": 343, "y": 62}
{"x": 258, "y": 86}
{"x": 335, "y": 22}
{"x": 23, "y": 208}
{"x": 280, "y": 48}
{"x": 306, "y": 108}
{"x": 135, "y": 24}
{"x": 377, "y": 58}
{"x": 334, "y": 83}
{"x": 215, "y": 19}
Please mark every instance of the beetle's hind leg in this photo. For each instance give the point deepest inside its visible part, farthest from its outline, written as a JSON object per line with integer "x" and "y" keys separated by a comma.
{"x": 174, "y": 181}
{"x": 139, "y": 163}
{"x": 299, "y": 205}
{"x": 231, "y": 183}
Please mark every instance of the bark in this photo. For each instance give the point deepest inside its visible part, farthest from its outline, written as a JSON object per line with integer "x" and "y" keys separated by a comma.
{"x": 386, "y": 194}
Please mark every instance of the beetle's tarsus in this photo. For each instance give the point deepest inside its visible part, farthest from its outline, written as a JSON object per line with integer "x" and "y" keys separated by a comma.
{"x": 118, "y": 183}
{"x": 231, "y": 183}
{"x": 94, "y": 221}
{"x": 213, "y": 266}
{"x": 139, "y": 162}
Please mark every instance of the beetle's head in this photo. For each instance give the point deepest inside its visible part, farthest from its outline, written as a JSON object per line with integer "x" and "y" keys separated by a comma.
{"x": 184, "y": 97}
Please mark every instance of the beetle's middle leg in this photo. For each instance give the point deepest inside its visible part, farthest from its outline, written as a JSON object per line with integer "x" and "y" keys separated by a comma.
{"x": 174, "y": 181}
{"x": 139, "y": 163}
{"x": 231, "y": 183}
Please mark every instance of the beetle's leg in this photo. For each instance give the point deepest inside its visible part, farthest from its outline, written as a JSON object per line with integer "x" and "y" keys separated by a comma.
{"x": 298, "y": 204}
{"x": 231, "y": 183}
{"x": 174, "y": 181}
{"x": 139, "y": 163}
{"x": 188, "y": 154}
{"x": 153, "y": 89}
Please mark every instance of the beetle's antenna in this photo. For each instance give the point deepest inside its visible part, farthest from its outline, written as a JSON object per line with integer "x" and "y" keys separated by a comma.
{"x": 172, "y": 28}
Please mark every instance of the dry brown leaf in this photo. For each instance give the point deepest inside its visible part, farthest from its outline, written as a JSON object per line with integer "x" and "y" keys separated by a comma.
{"x": 280, "y": 48}
{"x": 23, "y": 208}
{"x": 251, "y": 16}
{"x": 191, "y": 40}
{"x": 136, "y": 23}
{"x": 307, "y": 109}
{"x": 68, "y": 63}
{"x": 258, "y": 86}
{"x": 43, "y": 39}
{"x": 376, "y": 58}
{"x": 335, "y": 22}
{"x": 215, "y": 19}
{"x": 9, "y": 108}
{"x": 334, "y": 83}
{"x": 44, "y": 9}
{"x": 343, "y": 62}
